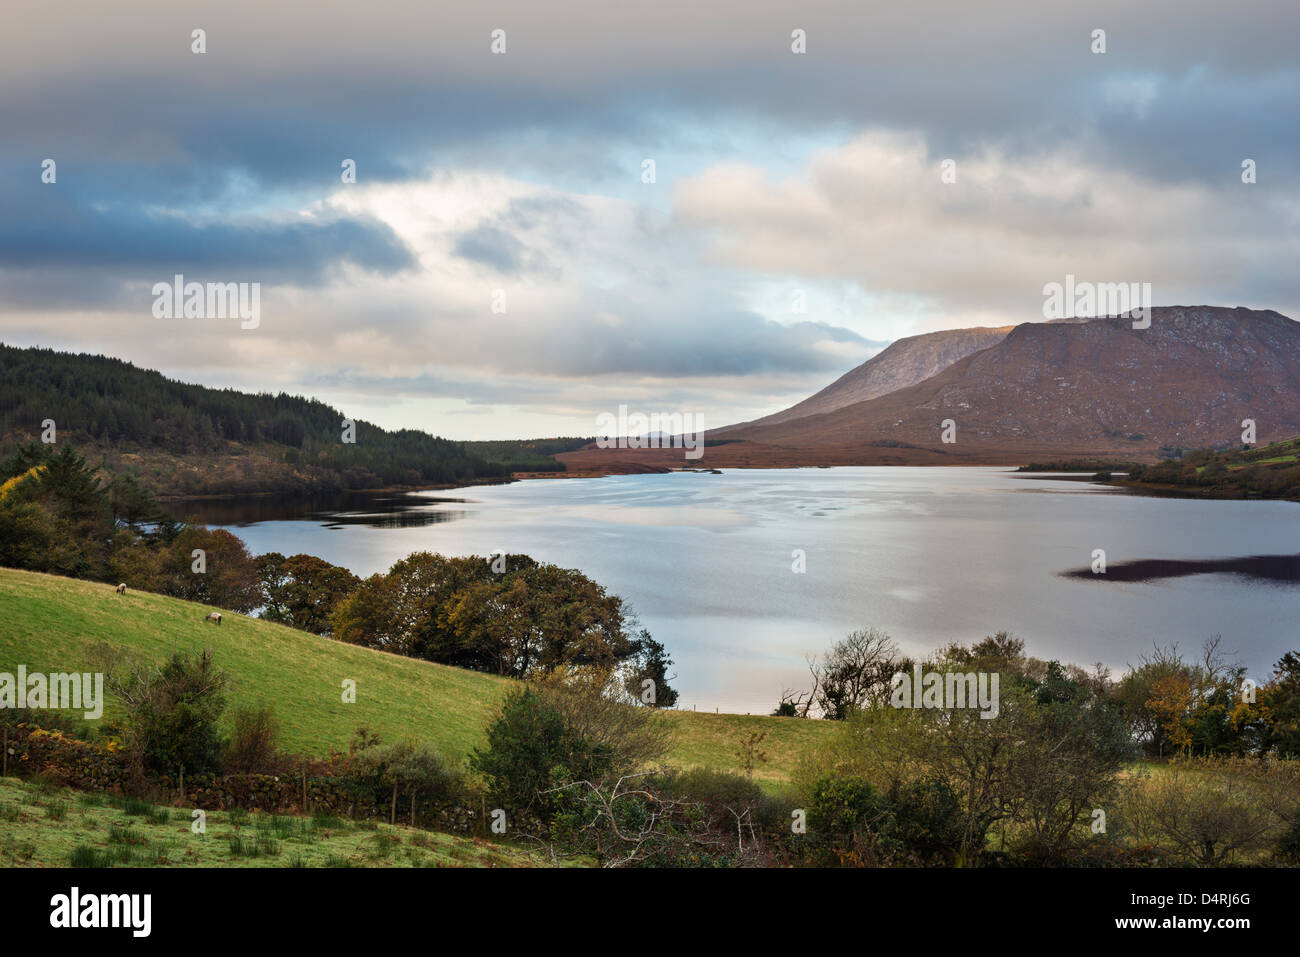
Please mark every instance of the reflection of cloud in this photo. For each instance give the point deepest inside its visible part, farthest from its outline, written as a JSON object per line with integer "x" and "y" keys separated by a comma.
{"x": 712, "y": 518}
{"x": 907, "y": 594}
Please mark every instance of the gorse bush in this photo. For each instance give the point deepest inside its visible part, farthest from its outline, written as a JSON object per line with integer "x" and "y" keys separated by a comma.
{"x": 568, "y": 728}
{"x": 851, "y": 822}
{"x": 172, "y": 712}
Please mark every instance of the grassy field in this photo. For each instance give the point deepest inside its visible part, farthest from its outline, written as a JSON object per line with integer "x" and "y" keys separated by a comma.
{"x": 53, "y": 624}
{"x": 42, "y": 826}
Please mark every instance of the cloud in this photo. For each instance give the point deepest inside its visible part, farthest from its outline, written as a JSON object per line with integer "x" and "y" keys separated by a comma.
{"x": 877, "y": 212}
{"x": 778, "y": 174}
{"x": 50, "y": 228}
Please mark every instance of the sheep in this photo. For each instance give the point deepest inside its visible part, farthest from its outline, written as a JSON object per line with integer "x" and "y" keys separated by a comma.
{"x": 121, "y": 589}
{"x": 215, "y": 617}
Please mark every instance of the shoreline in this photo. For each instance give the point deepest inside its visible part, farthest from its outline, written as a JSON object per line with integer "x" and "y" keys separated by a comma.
{"x": 307, "y": 493}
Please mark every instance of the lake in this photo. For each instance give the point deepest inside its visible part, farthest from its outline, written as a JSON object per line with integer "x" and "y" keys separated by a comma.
{"x": 930, "y": 555}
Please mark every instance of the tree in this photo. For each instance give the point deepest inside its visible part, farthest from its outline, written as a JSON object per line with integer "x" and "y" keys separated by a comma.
{"x": 130, "y": 501}
{"x": 303, "y": 591}
{"x": 649, "y": 661}
{"x": 1281, "y": 699}
{"x": 1076, "y": 744}
{"x": 509, "y": 616}
{"x": 228, "y": 577}
{"x": 365, "y": 617}
{"x": 1196, "y": 707}
{"x": 403, "y": 611}
{"x": 1053, "y": 749}
{"x": 856, "y": 673}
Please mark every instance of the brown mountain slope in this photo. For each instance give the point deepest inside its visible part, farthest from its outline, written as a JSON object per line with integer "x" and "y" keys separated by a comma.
{"x": 1101, "y": 386}
{"x": 1046, "y": 389}
{"x": 904, "y": 362}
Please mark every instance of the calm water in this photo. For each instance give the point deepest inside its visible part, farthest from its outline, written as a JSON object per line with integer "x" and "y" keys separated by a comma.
{"x": 928, "y": 554}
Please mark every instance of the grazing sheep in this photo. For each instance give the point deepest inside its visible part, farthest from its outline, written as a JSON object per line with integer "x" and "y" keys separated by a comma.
{"x": 121, "y": 589}
{"x": 214, "y": 616}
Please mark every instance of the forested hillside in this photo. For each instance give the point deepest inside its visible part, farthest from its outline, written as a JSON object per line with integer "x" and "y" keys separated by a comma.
{"x": 182, "y": 438}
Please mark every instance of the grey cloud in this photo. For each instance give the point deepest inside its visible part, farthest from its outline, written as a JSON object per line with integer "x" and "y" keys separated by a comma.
{"x": 498, "y": 249}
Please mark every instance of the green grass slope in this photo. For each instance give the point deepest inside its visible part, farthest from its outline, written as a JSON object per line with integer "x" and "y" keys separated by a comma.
{"x": 53, "y": 624}
{"x": 42, "y": 826}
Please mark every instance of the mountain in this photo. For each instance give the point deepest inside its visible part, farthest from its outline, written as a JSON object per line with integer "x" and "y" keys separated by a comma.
{"x": 904, "y": 362}
{"x": 1099, "y": 386}
{"x": 1082, "y": 388}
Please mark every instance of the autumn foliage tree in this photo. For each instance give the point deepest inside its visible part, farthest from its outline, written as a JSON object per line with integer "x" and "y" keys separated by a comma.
{"x": 302, "y": 591}
{"x": 507, "y": 615}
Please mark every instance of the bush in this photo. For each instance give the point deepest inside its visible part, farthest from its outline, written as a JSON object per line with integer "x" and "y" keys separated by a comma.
{"x": 252, "y": 746}
{"x": 854, "y": 823}
{"x": 172, "y": 712}
{"x": 928, "y": 819}
{"x": 1212, "y": 812}
{"x": 529, "y": 751}
{"x": 407, "y": 770}
{"x": 562, "y": 730}
{"x": 723, "y": 797}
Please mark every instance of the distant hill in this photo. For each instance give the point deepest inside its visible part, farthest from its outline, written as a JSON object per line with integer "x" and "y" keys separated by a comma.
{"x": 904, "y": 362}
{"x": 189, "y": 439}
{"x": 1100, "y": 386}
{"x": 1090, "y": 388}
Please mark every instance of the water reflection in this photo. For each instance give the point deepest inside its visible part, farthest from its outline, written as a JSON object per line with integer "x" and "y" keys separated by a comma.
{"x": 334, "y": 510}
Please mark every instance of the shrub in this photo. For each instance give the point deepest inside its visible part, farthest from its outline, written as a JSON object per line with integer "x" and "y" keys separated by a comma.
{"x": 528, "y": 751}
{"x": 928, "y": 819}
{"x": 173, "y": 712}
{"x": 723, "y": 797}
{"x": 1212, "y": 812}
{"x": 917, "y": 822}
{"x": 566, "y": 729}
{"x": 407, "y": 770}
{"x": 252, "y": 746}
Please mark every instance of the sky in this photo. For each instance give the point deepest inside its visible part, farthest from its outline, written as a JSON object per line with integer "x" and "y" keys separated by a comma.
{"x": 505, "y": 265}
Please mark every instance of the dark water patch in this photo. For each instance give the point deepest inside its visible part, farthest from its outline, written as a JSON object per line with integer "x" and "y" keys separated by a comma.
{"x": 398, "y": 518}
{"x": 336, "y": 509}
{"x": 1273, "y": 568}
